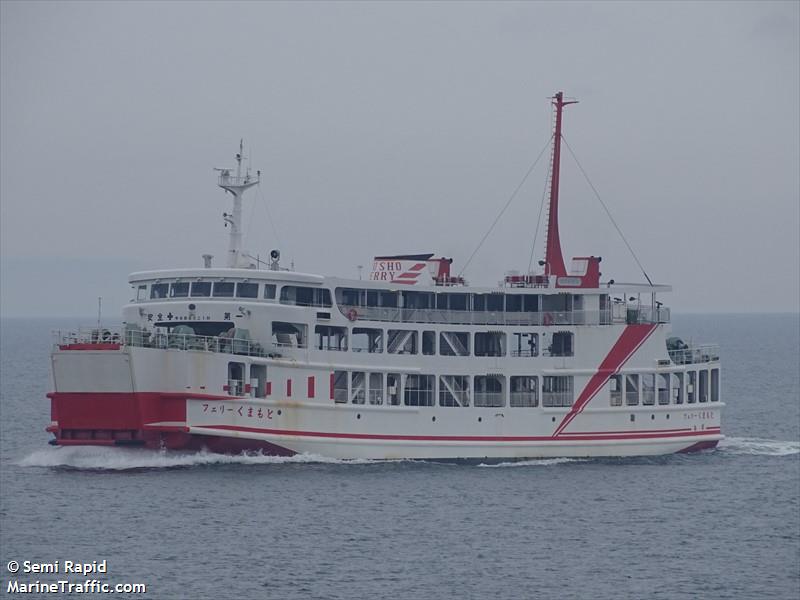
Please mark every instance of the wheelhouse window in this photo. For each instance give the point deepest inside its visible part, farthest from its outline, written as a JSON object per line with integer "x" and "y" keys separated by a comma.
{"x": 366, "y": 339}
{"x": 179, "y": 289}
{"x": 524, "y": 391}
{"x": 246, "y": 289}
{"x": 453, "y": 390}
{"x": 159, "y": 291}
{"x": 201, "y": 289}
{"x": 269, "y": 291}
{"x": 223, "y": 289}
{"x": 329, "y": 337}
{"x": 305, "y": 296}
{"x": 418, "y": 390}
{"x": 141, "y": 293}
{"x": 490, "y": 343}
{"x": 557, "y": 390}
{"x": 489, "y": 391}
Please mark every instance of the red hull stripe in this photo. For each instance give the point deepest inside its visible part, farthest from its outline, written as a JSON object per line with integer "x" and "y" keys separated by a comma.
{"x": 455, "y": 438}
{"x": 633, "y": 336}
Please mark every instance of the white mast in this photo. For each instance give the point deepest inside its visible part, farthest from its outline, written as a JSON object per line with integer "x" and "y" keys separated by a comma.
{"x": 236, "y": 185}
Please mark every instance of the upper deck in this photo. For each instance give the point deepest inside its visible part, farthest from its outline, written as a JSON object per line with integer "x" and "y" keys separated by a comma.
{"x": 389, "y": 301}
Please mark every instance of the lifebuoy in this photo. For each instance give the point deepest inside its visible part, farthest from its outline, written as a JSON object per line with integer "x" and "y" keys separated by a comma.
{"x": 352, "y": 314}
{"x": 547, "y": 319}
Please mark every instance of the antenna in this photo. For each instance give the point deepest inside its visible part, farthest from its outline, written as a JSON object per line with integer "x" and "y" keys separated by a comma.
{"x": 236, "y": 185}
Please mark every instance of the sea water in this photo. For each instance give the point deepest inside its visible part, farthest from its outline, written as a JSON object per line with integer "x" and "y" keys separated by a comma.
{"x": 715, "y": 524}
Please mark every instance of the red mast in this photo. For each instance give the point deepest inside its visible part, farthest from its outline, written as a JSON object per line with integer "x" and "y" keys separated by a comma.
{"x": 554, "y": 260}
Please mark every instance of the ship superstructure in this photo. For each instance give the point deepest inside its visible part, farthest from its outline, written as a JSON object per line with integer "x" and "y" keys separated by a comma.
{"x": 411, "y": 362}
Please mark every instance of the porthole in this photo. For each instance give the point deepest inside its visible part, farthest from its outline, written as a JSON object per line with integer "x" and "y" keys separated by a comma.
{"x": 358, "y": 416}
{"x": 633, "y": 418}
{"x": 433, "y": 419}
{"x": 480, "y": 419}
{"x": 652, "y": 417}
{"x": 554, "y": 419}
{"x": 667, "y": 416}
{"x": 279, "y": 412}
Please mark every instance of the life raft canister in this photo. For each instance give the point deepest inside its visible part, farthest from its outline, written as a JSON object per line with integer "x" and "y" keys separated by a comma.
{"x": 352, "y": 314}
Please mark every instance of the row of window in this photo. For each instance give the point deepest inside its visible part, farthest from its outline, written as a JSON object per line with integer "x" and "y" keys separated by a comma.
{"x": 490, "y": 390}
{"x": 665, "y": 388}
{"x": 494, "y": 391}
{"x": 409, "y": 341}
{"x": 351, "y": 297}
{"x": 493, "y": 302}
{"x": 205, "y": 289}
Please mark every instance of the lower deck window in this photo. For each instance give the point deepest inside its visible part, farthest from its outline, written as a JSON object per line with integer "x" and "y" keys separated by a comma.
{"x": 393, "y": 389}
{"x": 418, "y": 390}
{"x": 340, "y": 386}
{"x": 525, "y": 344}
{"x": 366, "y": 339}
{"x": 453, "y": 390}
{"x": 648, "y": 389}
{"x": 691, "y": 387}
{"x": 557, "y": 390}
{"x": 289, "y": 335}
{"x": 491, "y": 343}
{"x": 632, "y": 390}
{"x": 615, "y": 383}
{"x": 490, "y": 390}
{"x": 525, "y": 391}
{"x": 401, "y": 341}
{"x": 715, "y": 385}
{"x": 703, "y": 391}
{"x": 329, "y": 337}
{"x": 358, "y": 387}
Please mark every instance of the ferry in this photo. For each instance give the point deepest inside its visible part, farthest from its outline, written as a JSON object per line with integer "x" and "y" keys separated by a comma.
{"x": 409, "y": 363}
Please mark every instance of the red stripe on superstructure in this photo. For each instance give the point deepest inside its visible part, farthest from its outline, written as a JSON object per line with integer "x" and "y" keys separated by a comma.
{"x": 417, "y": 267}
{"x": 408, "y": 275}
{"x": 633, "y": 336}
{"x": 449, "y": 438}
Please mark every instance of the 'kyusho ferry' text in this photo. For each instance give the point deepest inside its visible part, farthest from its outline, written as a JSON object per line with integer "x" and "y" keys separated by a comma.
{"x": 411, "y": 363}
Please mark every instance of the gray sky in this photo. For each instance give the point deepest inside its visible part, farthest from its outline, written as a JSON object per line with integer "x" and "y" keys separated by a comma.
{"x": 394, "y": 128}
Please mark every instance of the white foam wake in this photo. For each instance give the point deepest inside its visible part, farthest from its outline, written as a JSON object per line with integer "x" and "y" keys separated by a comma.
{"x": 757, "y": 446}
{"x": 537, "y": 462}
{"x": 120, "y": 459}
